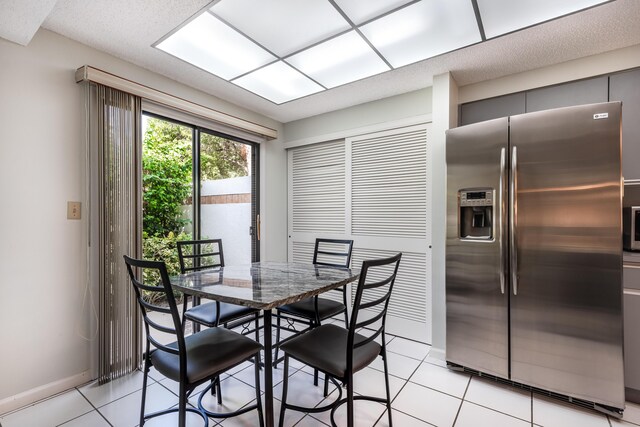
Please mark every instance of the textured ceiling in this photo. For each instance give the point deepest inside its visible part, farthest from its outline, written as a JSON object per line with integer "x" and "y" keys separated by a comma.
{"x": 127, "y": 29}
{"x": 20, "y": 19}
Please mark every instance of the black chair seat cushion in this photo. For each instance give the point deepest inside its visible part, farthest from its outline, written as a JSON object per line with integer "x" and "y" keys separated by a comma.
{"x": 205, "y": 314}
{"x": 325, "y": 348}
{"x": 208, "y": 352}
{"x": 306, "y": 308}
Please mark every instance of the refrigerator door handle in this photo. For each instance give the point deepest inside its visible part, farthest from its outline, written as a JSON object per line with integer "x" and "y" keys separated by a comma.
{"x": 501, "y": 192}
{"x": 513, "y": 252}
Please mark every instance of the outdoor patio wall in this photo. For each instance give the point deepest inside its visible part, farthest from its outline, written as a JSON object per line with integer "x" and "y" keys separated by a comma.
{"x": 228, "y": 219}
{"x": 46, "y": 312}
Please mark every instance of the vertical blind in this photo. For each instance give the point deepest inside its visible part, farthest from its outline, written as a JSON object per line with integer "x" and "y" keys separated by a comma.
{"x": 115, "y": 146}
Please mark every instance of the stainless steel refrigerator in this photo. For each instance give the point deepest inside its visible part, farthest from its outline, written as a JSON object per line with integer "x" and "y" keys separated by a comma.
{"x": 534, "y": 255}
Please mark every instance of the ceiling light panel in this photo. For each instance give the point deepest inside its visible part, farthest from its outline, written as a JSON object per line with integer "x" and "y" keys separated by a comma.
{"x": 360, "y": 11}
{"x": 423, "y": 30}
{"x": 504, "y": 16}
{"x": 208, "y": 43}
{"x": 278, "y": 82}
{"x": 283, "y": 26}
{"x": 341, "y": 60}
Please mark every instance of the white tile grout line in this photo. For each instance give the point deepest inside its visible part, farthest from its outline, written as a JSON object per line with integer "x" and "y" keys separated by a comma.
{"x": 92, "y": 405}
{"x": 403, "y": 386}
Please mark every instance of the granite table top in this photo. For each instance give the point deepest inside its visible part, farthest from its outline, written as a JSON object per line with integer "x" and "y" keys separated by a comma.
{"x": 263, "y": 285}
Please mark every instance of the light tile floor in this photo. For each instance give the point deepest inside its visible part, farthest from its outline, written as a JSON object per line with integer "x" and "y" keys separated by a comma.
{"x": 424, "y": 393}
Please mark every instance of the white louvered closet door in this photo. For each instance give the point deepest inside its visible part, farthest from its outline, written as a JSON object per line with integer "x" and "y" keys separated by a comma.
{"x": 316, "y": 197}
{"x": 390, "y": 213}
{"x": 373, "y": 189}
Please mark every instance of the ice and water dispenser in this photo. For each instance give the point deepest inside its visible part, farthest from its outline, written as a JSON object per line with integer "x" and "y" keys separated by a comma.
{"x": 476, "y": 213}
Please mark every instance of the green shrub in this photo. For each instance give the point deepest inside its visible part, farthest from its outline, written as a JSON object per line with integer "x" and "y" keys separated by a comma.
{"x": 162, "y": 248}
{"x": 166, "y": 178}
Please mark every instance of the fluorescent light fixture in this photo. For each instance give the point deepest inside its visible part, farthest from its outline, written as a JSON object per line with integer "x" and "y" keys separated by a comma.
{"x": 360, "y": 11}
{"x": 286, "y": 49}
{"x": 283, "y": 26}
{"x": 341, "y": 60}
{"x": 504, "y": 16}
{"x": 423, "y": 30}
{"x": 209, "y": 44}
{"x": 278, "y": 82}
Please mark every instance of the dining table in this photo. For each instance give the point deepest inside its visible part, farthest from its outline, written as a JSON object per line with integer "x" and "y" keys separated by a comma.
{"x": 264, "y": 285}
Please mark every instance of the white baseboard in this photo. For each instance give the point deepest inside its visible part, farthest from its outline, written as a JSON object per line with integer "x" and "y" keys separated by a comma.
{"x": 28, "y": 397}
{"x": 437, "y": 354}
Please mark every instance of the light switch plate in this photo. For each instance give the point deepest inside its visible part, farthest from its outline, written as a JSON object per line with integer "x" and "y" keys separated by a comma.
{"x": 73, "y": 210}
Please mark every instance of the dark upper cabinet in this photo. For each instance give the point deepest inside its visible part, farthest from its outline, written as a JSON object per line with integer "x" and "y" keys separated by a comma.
{"x": 581, "y": 92}
{"x": 625, "y": 87}
{"x": 493, "y": 108}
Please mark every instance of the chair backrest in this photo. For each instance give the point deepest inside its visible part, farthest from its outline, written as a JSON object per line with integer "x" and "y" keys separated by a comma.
{"x": 149, "y": 298}
{"x": 372, "y": 295}
{"x": 200, "y": 254}
{"x": 333, "y": 252}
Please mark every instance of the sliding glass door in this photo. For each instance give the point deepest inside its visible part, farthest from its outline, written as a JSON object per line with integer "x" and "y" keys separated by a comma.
{"x": 227, "y": 208}
{"x": 197, "y": 184}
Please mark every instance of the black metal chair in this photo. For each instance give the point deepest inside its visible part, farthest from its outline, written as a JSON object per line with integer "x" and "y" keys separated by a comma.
{"x": 312, "y": 311}
{"x": 339, "y": 352}
{"x": 191, "y": 360}
{"x": 195, "y": 255}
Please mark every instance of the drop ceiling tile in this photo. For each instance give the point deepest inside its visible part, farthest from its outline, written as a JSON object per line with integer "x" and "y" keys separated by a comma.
{"x": 423, "y": 30}
{"x": 360, "y": 11}
{"x": 278, "y": 82}
{"x": 504, "y": 16}
{"x": 208, "y": 43}
{"x": 283, "y": 26}
{"x": 341, "y": 60}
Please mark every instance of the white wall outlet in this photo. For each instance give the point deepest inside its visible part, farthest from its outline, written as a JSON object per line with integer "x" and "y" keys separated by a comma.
{"x": 73, "y": 210}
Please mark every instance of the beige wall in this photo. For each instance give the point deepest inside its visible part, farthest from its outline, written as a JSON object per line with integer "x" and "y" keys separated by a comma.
{"x": 45, "y": 311}
{"x": 385, "y": 110}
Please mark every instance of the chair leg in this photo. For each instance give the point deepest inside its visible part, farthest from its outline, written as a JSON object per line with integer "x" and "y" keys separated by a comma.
{"x": 182, "y": 406}
{"x": 326, "y": 385}
{"x": 386, "y": 381}
{"x": 257, "y": 326}
{"x": 350, "y": 399}
{"x": 258, "y": 394}
{"x": 277, "y": 346}
{"x": 346, "y": 319}
{"x": 285, "y": 385}
{"x": 218, "y": 392}
{"x": 144, "y": 391}
{"x": 315, "y": 371}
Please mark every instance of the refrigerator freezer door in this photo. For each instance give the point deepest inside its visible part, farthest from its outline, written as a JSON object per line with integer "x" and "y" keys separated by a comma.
{"x": 476, "y": 276}
{"x": 566, "y": 319}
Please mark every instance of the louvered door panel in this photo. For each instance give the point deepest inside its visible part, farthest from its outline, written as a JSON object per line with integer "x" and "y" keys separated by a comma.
{"x": 302, "y": 252}
{"x": 373, "y": 189}
{"x": 318, "y": 187}
{"x": 408, "y": 300}
{"x": 389, "y": 185}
